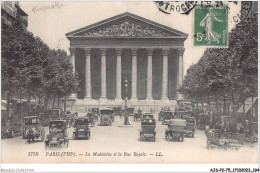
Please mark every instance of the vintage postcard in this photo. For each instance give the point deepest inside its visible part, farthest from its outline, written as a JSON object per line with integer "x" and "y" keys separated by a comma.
{"x": 129, "y": 82}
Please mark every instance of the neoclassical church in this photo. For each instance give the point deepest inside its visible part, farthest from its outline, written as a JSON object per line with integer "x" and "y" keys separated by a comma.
{"x": 127, "y": 47}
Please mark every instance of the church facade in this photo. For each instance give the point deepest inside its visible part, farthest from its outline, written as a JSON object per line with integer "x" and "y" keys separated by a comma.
{"x": 127, "y": 47}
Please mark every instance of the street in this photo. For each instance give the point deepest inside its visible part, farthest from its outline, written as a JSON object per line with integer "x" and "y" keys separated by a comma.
{"x": 106, "y": 143}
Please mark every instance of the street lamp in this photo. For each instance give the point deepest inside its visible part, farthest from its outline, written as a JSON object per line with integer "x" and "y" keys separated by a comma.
{"x": 126, "y": 89}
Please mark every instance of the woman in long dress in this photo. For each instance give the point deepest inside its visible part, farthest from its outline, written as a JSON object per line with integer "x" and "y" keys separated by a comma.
{"x": 211, "y": 35}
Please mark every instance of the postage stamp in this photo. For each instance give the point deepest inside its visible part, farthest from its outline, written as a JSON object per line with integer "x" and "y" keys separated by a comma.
{"x": 211, "y": 26}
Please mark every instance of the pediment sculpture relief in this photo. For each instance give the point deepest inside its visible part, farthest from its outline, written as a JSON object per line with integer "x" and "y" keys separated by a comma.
{"x": 127, "y": 28}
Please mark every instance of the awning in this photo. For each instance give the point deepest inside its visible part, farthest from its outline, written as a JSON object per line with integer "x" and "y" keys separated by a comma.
{"x": 248, "y": 105}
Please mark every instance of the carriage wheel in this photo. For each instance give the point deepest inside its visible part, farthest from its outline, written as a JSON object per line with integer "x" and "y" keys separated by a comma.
{"x": 88, "y": 135}
{"x": 42, "y": 135}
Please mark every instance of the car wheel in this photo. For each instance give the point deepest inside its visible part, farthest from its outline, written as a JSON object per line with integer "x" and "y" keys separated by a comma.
{"x": 88, "y": 135}
{"x": 166, "y": 135}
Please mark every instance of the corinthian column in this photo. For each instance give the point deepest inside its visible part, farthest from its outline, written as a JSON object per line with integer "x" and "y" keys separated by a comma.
{"x": 134, "y": 74}
{"x": 87, "y": 75}
{"x": 180, "y": 72}
{"x": 103, "y": 75}
{"x": 149, "y": 74}
{"x": 118, "y": 74}
{"x": 165, "y": 74}
{"x": 73, "y": 96}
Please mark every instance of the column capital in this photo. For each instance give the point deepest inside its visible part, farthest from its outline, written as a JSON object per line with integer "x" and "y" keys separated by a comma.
{"x": 87, "y": 50}
{"x": 165, "y": 51}
{"x": 134, "y": 52}
{"x": 181, "y": 51}
{"x": 149, "y": 51}
{"x": 103, "y": 51}
{"x": 118, "y": 51}
{"x": 72, "y": 50}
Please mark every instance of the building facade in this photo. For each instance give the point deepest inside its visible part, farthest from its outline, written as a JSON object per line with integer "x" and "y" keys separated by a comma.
{"x": 149, "y": 55}
{"x": 11, "y": 10}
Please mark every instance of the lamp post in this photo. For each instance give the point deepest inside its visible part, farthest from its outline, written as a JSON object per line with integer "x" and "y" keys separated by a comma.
{"x": 126, "y": 90}
{"x": 126, "y": 113}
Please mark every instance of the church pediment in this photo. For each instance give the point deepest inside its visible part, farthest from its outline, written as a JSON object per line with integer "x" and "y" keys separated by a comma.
{"x": 126, "y": 25}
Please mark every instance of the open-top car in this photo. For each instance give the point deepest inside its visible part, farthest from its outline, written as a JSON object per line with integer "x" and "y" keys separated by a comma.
{"x": 167, "y": 116}
{"x": 32, "y": 129}
{"x": 176, "y": 129}
{"x": 81, "y": 128}
{"x": 148, "y": 129}
{"x": 58, "y": 136}
{"x": 106, "y": 116}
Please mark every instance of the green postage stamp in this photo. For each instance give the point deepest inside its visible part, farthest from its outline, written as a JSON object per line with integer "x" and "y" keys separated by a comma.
{"x": 211, "y": 26}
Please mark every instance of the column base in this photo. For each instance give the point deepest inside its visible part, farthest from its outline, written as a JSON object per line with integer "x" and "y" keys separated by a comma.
{"x": 118, "y": 99}
{"x": 87, "y": 98}
{"x": 102, "y": 99}
{"x": 149, "y": 99}
{"x": 165, "y": 99}
{"x": 73, "y": 96}
{"x": 179, "y": 96}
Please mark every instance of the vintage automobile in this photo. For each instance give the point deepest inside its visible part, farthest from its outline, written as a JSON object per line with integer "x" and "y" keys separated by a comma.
{"x": 49, "y": 115}
{"x": 81, "y": 128}
{"x": 176, "y": 129}
{"x": 58, "y": 136}
{"x": 32, "y": 129}
{"x": 190, "y": 126}
{"x": 148, "y": 129}
{"x": 166, "y": 117}
{"x": 147, "y": 115}
{"x": 106, "y": 116}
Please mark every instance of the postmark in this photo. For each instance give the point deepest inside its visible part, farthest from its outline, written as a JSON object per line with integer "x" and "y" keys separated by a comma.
{"x": 210, "y": 26}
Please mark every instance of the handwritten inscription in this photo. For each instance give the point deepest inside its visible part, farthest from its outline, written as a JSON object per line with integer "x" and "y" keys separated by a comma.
{"x": 55, "y": 5}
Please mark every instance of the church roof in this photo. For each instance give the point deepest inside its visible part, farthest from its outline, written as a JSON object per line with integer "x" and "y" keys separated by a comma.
{"x": 127, "y": 25}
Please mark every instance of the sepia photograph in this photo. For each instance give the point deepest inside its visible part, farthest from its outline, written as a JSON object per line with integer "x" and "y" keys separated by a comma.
{"x": 129, "y": 82}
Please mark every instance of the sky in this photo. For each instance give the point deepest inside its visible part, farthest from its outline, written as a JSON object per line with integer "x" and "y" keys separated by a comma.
{"x": 52, "y": 20}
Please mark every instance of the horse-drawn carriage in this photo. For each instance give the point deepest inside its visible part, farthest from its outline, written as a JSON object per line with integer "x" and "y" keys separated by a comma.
{"x": 176, "y": 129}
{"x": 58, "y": 136}
{"x": 32, "y": 129}
{"x": 148, "y": 129}
{"x": 81, "y": 128}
